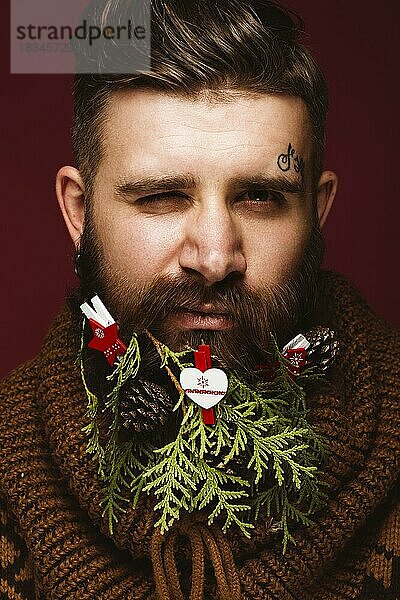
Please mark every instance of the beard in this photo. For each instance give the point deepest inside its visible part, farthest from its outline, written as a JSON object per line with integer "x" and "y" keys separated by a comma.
{"x": 257, "y": 316}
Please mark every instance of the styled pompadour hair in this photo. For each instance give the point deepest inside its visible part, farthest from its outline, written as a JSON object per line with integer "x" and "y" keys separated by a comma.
{"x": 215, "y": 48}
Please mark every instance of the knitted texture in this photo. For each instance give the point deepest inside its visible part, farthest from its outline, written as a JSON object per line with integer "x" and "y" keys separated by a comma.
{"x": 16, "y": 573}
{"x": 56, "y": 545}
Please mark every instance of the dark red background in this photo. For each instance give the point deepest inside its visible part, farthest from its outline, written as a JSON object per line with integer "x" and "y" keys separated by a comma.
{"x": 357, "y": 46}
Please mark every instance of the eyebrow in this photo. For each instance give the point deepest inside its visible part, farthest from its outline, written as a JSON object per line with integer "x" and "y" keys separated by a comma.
{"x": 153, "y": 184}
{"x": 148, "y": 185}
{"x": 278, "y": 183}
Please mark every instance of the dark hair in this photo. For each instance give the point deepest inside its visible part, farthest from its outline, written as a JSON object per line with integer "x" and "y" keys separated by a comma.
{"x": 213, "y": 47}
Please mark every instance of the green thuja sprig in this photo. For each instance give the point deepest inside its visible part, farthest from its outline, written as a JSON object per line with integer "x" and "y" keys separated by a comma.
{"x": 126, "y": 461}
{"x": 166, "y": 355}
{"x": 220, "y": 437}
{"x": 171, "y": 479}
{"x": 175, "y": 357}
{"x": 117, "y": 462}
{"x": 127, "y": 368}
{"x": 265, "y": 430}
{"x": 91, "y": 429}
{"x": 214, "y": 488}
{"x": 269, "y": 399}
{"x": 121, "y": 457}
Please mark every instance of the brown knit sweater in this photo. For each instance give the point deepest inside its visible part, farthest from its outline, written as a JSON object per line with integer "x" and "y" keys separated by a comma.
{"x": 54, "y": 542}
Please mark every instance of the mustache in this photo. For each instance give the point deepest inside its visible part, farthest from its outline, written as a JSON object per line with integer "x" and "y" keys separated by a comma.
{"x": 239, "y": 348}
{"x": 148, "y": 307}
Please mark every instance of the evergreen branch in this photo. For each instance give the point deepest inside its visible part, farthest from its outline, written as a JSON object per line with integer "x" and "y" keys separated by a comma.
{"x": 94, "y": 447}
{"x": 165, "y": 353}
{"x": 171, "y": 478}
{"x": 180, "y": 402}
{"x": 277, "y": 502}
{"x": 199, "y": 432}
{"x": 127, "y": 368}
{"x": 115, "y": 480}
{"x": 238, "y": 445}
{"x": 221, "y": 430}
{"x": 213, "y": 489}
{"x": 267, "y": 448}
{"x": 91, "y": 429}
{"x": 242, "y": 393}
{"x": 266, "y": 425}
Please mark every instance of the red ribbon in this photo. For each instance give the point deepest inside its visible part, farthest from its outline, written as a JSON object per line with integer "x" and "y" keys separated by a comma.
{"x": 106, "y": 340}
{"x": 202, "y": 360}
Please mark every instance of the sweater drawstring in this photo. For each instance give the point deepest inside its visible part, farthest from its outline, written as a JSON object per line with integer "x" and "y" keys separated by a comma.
{"x": 201, "y": 537}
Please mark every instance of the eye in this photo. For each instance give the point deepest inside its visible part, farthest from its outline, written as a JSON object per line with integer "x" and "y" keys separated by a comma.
{"x": 261, "y": 196}
{"x": 162, "y": 199}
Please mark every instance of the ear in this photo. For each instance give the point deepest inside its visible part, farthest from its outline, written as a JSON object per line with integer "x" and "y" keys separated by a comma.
{"x": 71, "y": 198}
{"x": 326, "y": 192}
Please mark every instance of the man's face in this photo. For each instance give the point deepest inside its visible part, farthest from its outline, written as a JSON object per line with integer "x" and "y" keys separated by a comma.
{"x": 218, "y": 194}
{"x": 177, "y": 190}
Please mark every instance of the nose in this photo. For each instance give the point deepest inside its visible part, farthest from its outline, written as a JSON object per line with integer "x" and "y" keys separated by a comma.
{"x": 212, "y": 246}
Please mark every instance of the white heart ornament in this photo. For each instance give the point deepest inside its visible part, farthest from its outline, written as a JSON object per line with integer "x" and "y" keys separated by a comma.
{"x": 206, "y": 389}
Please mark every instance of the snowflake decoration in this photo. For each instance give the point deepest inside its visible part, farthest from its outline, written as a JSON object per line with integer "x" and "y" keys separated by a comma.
{"x": 202, "y": 381}
{"x": 297, "y": 359}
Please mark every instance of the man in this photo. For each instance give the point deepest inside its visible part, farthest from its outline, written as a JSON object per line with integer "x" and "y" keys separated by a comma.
{"x": 195, "y": 207}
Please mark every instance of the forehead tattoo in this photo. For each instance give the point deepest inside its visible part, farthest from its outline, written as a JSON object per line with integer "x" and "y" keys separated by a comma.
{"x": 291, "y": 159}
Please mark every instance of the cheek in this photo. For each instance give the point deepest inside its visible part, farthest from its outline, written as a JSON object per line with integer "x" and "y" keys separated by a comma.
{"x": 275, "y": 253}
{"x": 140, "y": 248}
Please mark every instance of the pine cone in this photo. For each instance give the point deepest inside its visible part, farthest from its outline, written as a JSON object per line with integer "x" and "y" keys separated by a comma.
{"x": 144, "y": 405}
{"x": 323, "y": 347}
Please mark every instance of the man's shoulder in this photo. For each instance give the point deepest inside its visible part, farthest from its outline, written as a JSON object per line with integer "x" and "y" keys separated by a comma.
{"x": 22, "y": 375}
{"x": 25, "y": 375}
{"x": 16, "y": 389}
{"x": 368, "y": 344}
{"x": 342, "y": 298}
